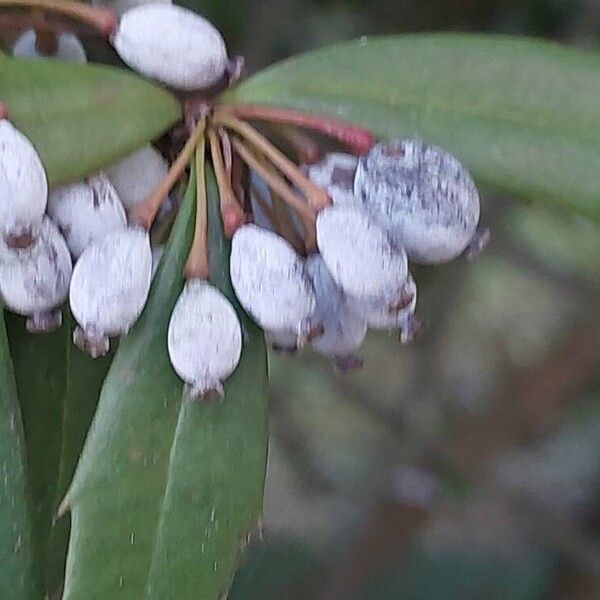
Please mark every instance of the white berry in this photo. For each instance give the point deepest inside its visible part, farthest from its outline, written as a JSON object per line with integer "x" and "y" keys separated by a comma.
{"x": 109, "y": 287}
{"x": 385, "y": 314}
{"x": 69, "y": 47}
{"x": 335, "y": 174}
{"x": 269, "y": 280}
{"x": 136, "y": 176}
{"x": 85, "y": 212}
{"x": 359, "y": 254}
{"x": 422, "y": 195}
{"x": 172, "y": 45}
{"x": 204, "y": 339}
{"x": 34, "y": 281}
{"x": 23, "y": 184}
{"x": 343, "y": 329}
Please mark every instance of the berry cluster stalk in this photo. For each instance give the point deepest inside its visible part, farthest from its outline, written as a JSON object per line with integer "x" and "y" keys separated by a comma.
{"x": 232, "y": 214}
{"x": 145, "y": 212}
{"x": 316, "y": 197}
{"x": 280, "y": 187}
{"x": 197, "y": 261}
{"x": 357, "y": 139}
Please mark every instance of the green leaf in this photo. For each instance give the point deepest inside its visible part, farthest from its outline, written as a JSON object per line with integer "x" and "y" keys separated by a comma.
{"x": 16, "y": 557}
{"x": 166, "y": 489}
{"x": 58, "y": 388}
{"x": 82, "y": 117}
{"x": 84, "y": 380}
{"x": 39, "y": 366}
{"x": 523, "y": 115}
{"x": 213, "y": 499}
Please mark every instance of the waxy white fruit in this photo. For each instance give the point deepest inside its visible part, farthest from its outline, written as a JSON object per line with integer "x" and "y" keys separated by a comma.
{"x": 204, "y": 339}
{"x": 359, "y": 254}
{"x": 383, "y": 314}
{"x": 23, "y": 187}
{"x": 69, "y": 47}
{"x": 270, "y": 282}
{"x": 109, "y": 287}
{"x": 85, "y": 212}
{"x": 172, "y": 45}
{"x": 422, "y": 195}
{"x": 136, "y": 176}
{"x": 34, "y": 281}
{"x": 335, "y": 174}
{"x": 343, "y": 329}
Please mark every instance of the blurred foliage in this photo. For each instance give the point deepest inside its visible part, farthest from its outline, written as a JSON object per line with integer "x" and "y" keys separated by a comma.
{"x": 337, "y": 444}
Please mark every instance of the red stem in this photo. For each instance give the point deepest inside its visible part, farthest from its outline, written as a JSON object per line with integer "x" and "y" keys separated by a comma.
{"x": 358, "y": 139}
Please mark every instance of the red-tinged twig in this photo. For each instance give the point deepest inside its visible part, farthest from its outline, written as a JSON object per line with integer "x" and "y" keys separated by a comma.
{"x": 232, "y": 214}
{"x": 357, "y": 139}
{"x": 145, "y": 212}
{"x": 316, "y": 197}
{"x": 101, "y": 19}
{"x": 280, "y": 187}
{"x": 196, "y": 266}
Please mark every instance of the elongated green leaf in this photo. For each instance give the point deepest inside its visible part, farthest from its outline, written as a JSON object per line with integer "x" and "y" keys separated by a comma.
{"x": 17, "y": 578}
{"x": 82, "y": 117}
{"x": 39, "y": 365}
{"x": 119, "y": 484}
{"x": 167, "y": 489}
{"x": 84, "y": 379}
{"x": 523, "y": 115}
{"x": 213, "y": 499}
{"x": 58, "y": 390}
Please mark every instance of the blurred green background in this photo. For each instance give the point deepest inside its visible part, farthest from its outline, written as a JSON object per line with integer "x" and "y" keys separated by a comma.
{"x": 467, "y": 465}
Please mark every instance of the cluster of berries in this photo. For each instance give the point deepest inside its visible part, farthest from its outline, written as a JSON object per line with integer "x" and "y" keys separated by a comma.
{"x": 402, "y": 200}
